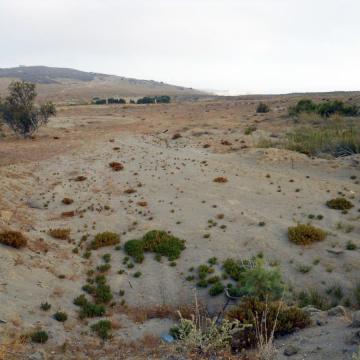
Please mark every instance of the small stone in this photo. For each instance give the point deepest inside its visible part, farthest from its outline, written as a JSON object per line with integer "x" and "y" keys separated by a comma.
{"x": 337, "y": 311}
{"x": 356, "y": 319}
{"x": 310, "y": 310}
{"x": 290, "y": 350}
{"x": 335, "y": 251}
{"x": 37, "y": 356}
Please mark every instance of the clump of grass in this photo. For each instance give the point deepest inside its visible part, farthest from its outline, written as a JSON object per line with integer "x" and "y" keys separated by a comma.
{"x": 351, "y": 246}
{"x": 88, "y": 309}
{"x": 103, "y": 268}
{"x": 60, "y": 316}
{"x": 137, "y": 274}
{"x": 250, "y": 129}
{"x": 14, "y": 239}
{"x": 45, "y": 306}
{"x": 339, "y": 203}
{"x": 102, "y": 329}
{"x": 61, "y": 234}
{"x": 331, "y": 138}
{"x": 304, "y": 234}
{"x": 106, "y": 238}
{"x": 216, "y": 289}
{"x": 313, "y": 298}
{"x": 157, "y": 241}
{"x": 39, "y": 336}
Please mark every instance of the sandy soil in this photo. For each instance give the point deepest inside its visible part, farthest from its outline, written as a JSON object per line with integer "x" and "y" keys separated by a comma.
{"x": 175, "y": 178}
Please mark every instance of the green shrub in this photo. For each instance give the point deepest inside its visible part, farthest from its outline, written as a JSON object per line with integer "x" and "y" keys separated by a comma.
{"x": 106, "y": 238}
{"x": 339, "y": 203}
{"x": 303, "y": 234}
{"x": 261, "y": 283}
{"x": 325, "y": 108}
{"x": 351, "y": 246}
{"x": 103, "y": 268}
{"x": 135, "y": 248}
{"x": 14, "y": 239}
{"x": 234, "y": 268}
{"x": 102, "y": 294}
{"x": 262, "y": 108}
{"x": 102, "y": 329}
{"x": 39, "y": 336}
{"x": 156, "y": 241}
{"x": 106, "y": 258}
{"x": 90, "y": 310}
{"x": 216, "y": 289}
{"x": 60, "y": 316}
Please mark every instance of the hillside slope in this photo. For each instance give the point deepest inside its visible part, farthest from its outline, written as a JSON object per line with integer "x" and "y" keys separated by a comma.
{"x": 70, "y": 85}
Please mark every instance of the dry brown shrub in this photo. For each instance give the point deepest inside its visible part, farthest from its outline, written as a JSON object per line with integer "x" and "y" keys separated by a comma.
{"x": 221, "y": 179}
{"x": 142, "y": 203}
{"x": 130, "y": 191}
{"x": 62, "y": 234}
{"x": 14, "y": 239}
{"x": 116, "y": 166}
{"x": 67, "y": 201}
{"x": 80, "y": 178}
{"x": 68, "y": 214}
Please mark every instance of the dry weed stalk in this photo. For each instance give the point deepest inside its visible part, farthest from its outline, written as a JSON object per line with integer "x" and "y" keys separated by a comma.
{"x": 264, "y": 339}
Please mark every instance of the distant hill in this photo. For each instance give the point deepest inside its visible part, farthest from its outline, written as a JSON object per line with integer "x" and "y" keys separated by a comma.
{"x": 70, "y": 85}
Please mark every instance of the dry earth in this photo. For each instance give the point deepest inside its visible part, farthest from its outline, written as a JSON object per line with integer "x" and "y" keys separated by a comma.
{"x": 175, "y": 178}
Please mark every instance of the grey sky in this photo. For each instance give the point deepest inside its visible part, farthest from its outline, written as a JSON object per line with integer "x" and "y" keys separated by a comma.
{"x": 244, "y": 46}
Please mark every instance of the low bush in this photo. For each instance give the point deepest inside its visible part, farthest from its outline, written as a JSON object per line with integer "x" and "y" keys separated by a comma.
{"x": 102, "y": 329}
{"x": 313, "y": 298}
{"x": 157, "y": 241}
{"x": 60, "y": 316}
{"x": 106, "y": 238}
{"x": 216, "y": 289}
{"x": 325, "y": 108}
{"x": 39, "y": 336}
{"x": 280, "y": 317}
{"x": 339, "y": 203}
{"x": 262, "y": 108}
{"x": 116, "y": 166}
{"x": 304, "y": 234}
{"x": 61, "y": 234}
{"x": 45, "y": 306}
{"x": 14, "y": 239}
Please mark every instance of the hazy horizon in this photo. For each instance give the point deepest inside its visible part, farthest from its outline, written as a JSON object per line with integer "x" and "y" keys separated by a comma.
{"x": 239, "y": 47}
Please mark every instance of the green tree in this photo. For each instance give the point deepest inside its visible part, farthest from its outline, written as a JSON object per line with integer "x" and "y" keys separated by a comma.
{"x": 20, "y": 112}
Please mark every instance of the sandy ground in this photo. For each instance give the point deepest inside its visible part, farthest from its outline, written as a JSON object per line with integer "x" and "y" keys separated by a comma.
{"x": 175, "y": 178}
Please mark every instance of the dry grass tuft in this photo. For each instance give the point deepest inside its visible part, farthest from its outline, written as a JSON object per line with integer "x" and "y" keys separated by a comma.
{"x": 142, "y": 203}
{"x": 62, "y": 234}
{"x": 14, "y": 239}
{"x": 304, "y": 234}
{"x": 67, "y": 214}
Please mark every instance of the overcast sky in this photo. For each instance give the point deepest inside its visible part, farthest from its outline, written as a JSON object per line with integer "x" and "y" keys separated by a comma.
{"x": 243, "y": 46}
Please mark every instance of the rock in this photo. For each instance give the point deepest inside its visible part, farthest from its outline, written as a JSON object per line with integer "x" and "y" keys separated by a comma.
{"x": 310, "y": 310}
{"x": 337, "y": 311}
{"x": 34, "y": 204}
{"x": 354, "y": 339}
{"x": 291, "y": 350}
{"x": 37, "y": 356}
{"x": 335, "y": 251}
{"x": 356, "y": 319}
